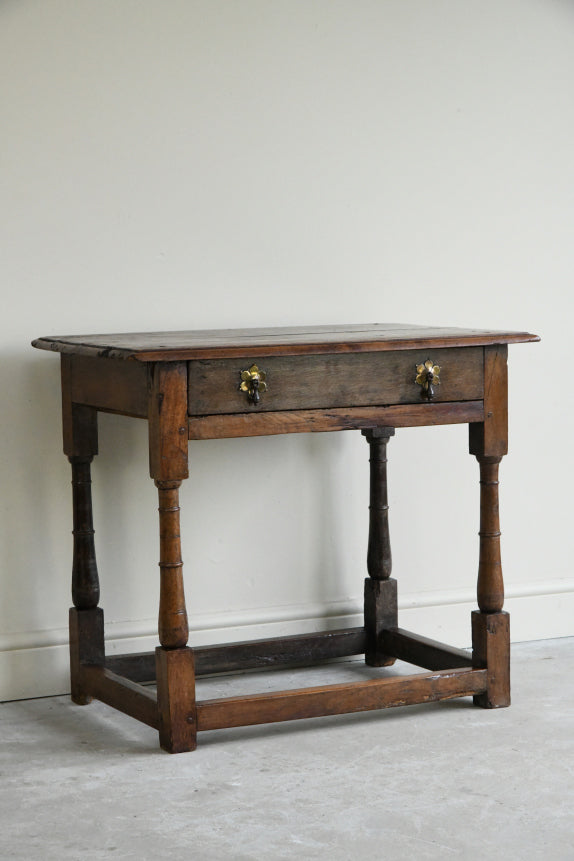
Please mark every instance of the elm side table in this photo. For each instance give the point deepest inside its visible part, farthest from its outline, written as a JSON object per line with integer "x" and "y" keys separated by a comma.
{"x": 252, "y": 382}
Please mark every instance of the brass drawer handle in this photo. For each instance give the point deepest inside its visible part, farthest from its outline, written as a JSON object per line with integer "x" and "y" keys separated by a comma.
{"x": 428, "y": 377}
{"x": 253, "y": 383}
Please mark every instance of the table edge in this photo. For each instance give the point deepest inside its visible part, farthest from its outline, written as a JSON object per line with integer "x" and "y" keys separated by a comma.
{"x": 59, "y": 345}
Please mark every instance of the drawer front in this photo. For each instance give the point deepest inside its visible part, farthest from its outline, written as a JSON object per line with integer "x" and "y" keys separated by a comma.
{"x": 330, "y": 381}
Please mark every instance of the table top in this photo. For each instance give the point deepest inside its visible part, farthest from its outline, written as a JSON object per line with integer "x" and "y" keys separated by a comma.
{"x": 296, "y": 340}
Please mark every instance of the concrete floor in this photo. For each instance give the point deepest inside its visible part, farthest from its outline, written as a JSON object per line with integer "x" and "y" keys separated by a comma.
{"x": 425, "y": 782}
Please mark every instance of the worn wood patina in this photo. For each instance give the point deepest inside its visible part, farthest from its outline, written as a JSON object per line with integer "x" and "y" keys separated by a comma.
{"x": 252, "y": 382}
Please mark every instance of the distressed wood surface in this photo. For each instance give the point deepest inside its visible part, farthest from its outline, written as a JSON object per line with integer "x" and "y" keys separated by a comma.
{"x": 488, "y": 441}
{"x": 423, "y": 652}
{"x": 79, "y": 422}
{"x": 346, "y": 380}
{"x": 176, "y": 699}
{"x": 491, "y": 649}
{"x": 380, "y": 612}
{"x": 319, "y": 378}
{"x": 339, "y": 699}
{"x": 172, "y": 623}
{"x": 490, "y": 583}
{"x": 379, "y": 557}
{"x": 167, "y": 419}
{"x": 490, "y": 437}
{"x": 109, "y": 385}
{"x": 85, "y": 581}
{"x": 218, "y": 343}
{"x": 86, "y": 647}
{"x": 321, "y": 421}
{"x": 122, "y": 694}
{"x": 268, "y": 654}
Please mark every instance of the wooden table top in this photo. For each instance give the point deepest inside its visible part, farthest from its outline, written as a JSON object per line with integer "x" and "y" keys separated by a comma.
{"x": 282, "y": 341}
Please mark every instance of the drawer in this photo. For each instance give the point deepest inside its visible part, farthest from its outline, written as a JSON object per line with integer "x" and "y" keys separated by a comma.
{"x": 330, "y": 381}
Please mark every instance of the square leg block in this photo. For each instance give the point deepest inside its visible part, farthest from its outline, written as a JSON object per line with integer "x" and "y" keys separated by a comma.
{"x": 176, "y": 699}
{"x": 491, "y": 650}
{"x": 86, "y": 647}
{"x": 380, "y": 613}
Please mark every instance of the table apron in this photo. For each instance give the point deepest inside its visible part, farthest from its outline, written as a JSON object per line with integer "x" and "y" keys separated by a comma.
{"x": 351, "y": 418}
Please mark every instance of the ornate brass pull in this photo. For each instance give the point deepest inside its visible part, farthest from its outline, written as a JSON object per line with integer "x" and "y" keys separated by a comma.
{"x": 253, "y": 383}
{"x": 428, "y": 377}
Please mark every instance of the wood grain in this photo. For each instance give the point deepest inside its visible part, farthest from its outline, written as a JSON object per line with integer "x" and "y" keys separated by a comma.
{"x": 331, "y": 381}
{"x": 490, "y": 584}
{"x": 79, "y": 422}
{"x": 379, "y": 557}
{"x": 380, "y": 595}
{"x": 167, "y": 416}
{"x": 172, "y": 623}
{"x": 423, "y": 652}
{"x": 268, "y": 654}
{"x": 110, "y": 385}
{"x": 491, "y": 649}
{"x": 85, "y": 581}
{"x": 122, "y": 694}
{"x": 490, "y": 437}
{"x": 319, "y": 379}
{"x": 339, "y": 699}
{"x": 320, "y": 421}
{"x": 381, "y": 612}
{"x": 219, "y": 343}
{"x": 176, "y": 700}
{"x": 86, "y": 647}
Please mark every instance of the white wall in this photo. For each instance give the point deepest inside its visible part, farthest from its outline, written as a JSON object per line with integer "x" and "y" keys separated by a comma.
{"x": 273, "y": 162}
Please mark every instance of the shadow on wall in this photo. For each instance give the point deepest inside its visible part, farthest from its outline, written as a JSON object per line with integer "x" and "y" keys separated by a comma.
{"x": 34, "y": 582}
{"x": 342, "y": 509}
{"x": 36, "y": 502}
{"x": 303, "y": 547}
{"x": 34, "y": 492}
{"x": 262, "y": 519}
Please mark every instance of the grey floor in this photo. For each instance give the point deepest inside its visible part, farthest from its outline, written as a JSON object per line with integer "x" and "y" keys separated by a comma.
{"x": 425, "y": 782}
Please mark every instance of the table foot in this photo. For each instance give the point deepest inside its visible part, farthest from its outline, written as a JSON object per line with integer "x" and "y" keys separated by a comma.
{"x": 86, "y": 647}
{"x": 380, "y": 614}
{"x": 491, "y": 650}
{"x": 176, "y": 699}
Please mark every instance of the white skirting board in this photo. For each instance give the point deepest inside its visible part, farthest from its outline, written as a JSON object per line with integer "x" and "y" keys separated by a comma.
{"x": 36, "y": 665}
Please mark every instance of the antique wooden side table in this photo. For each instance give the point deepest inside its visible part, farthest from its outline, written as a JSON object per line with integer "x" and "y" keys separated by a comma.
{"x": 239, "y": 383}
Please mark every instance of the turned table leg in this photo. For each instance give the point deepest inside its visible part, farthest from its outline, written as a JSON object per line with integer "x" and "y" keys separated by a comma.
{"x": 80, "y": 429}
{"x": 168, "y": 467}
{"x": 86, "y": 618}
{"x": 380, "y": 590}
{"x": 172, "y": 622}
{"x": 490, "y": 624}
{"x": 174, "y": 662}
